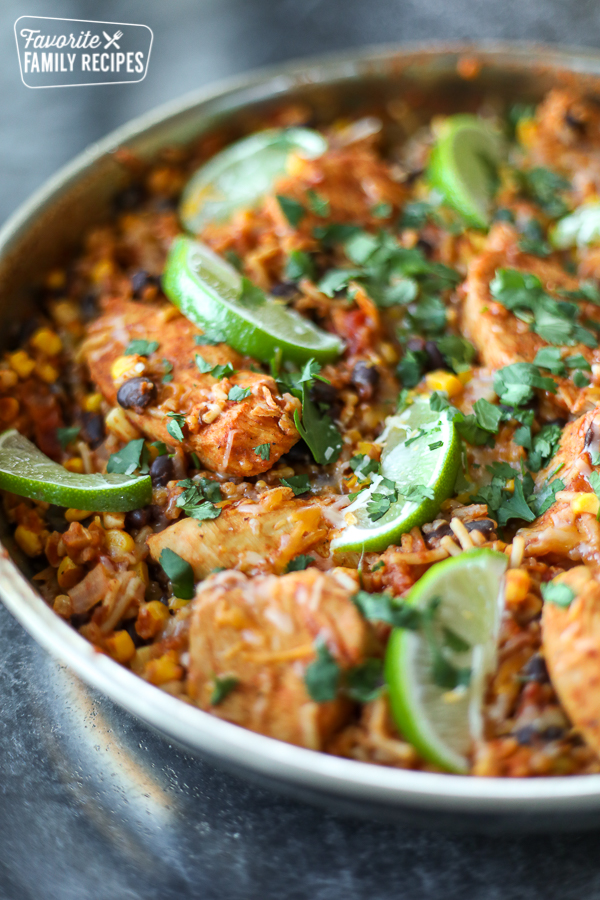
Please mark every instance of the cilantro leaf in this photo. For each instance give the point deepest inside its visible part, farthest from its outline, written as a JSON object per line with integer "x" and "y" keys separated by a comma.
{"x": 141, "y": 348}
{"x": 264, "y": 451}
{"x": 382, "y": 210}
{"x": 299, "y": 265}
{"x": 209, "y": 339}
{"x": 318, "y": 204}
{"x": 378, "y": 505}
{"x": 250, "y": 294}
{"x": 550, "y": 358}
{"x": 558, "y": 593}
{"x": 300, "y": 484}
{"x": 238, "y": 393}
{"x": 514, "y": 384}
{"x": 364, "y": 682}
{"x": 179, "y": 572}
{"x": 385, "y": 608}
{"x": 292, "y": 210}
{"x": 198, "y": 498}
{"x": 487, "y": 415}
{"x": 416, "y": 493}
{"x": 322, "y": 677}
{"x": 543, "y": 186}
{"x": 318, "y": 431}
{"x": 222, "y": 371}
{"x": 175, "y": 426}
{"x": 299, "y": 563}
{"x": 132, "y": 456}
{"x": 66, "y": 435}
{"x": 223, "y": 686}
{"x": 580, "y": 380}
{"x": 336, "y": 280}
{"x": 203, "y": 365}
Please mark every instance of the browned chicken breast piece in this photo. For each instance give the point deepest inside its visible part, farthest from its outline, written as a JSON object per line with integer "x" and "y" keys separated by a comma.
{"x": 262, "y": 632}
{"x": 499, "y": 336}
{"x": 569, "y": 529}
{"x": 222, "y": 432}
{"x": 571, "y": 641}
{"x": 261, "y": 536}
{"x": 566, "y": 138}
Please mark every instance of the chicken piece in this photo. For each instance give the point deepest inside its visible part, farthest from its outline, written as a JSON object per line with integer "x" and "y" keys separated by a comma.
{"x": 571, "y": 642}
{"x": 564, "y": 532}
{"x": 499, "y": 336}
{"x": 566, "y": 137}
{"x": 223, "y": 433}
{"x": 252, "y": 537}
{"x": 262, "y": 632}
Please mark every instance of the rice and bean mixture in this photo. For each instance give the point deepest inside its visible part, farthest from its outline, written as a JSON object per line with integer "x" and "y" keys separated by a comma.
{"x": 502, "y": 326}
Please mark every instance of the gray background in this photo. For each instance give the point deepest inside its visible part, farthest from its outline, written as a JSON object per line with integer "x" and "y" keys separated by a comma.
{"x": 93, "y": 805}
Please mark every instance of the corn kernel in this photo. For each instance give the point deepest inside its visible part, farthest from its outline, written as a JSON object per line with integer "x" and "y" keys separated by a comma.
{"x": 119, "y": 544}
{"x": 389, "y": 353}
{"x": 118, "y": 424}
{"x": 75, "y": 465}
{"x": 47, "y": 372}
{"x": 465, "y": 377}
{"x": 585, "y": 503}
{"x": 526, "y": 131}
{"x": 64, "y": 312}
{"x": 77, "y": 515}
{"x": 102, "y": 270}
{"x": 21, "y": 363}
{"x": 69, "y": 574}
{"x": 151, "y": 619}
{"x": 141, "y": 660}
{"x": 165, "y": 668}
{"x": 29, "y": 541}
{"x": 92, "y": 402}
{"x": 125, "y": 367}
{"x": 46, "y": 341}
{"x": 141, "y": 570}
{"x": 62, "y": 606}
{"x": 56, "y": 279}
{"x": 369, "y": 449}
{"x": 517, "y": 585}
{"x": 8, "y": 379}
{"x": 114, "y": 520}
{"x": 176, "y": 603}
{"x": 120, "y": 646}
{"x": 443, "y": 381}
{"x": 510, "y": 485}
{"x": 9, "y": 408}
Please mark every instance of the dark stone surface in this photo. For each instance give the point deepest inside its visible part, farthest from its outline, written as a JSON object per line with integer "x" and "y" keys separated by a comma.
{"x": 94, "y": 805}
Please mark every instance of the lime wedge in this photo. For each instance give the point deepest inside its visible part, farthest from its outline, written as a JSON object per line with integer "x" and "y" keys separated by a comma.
{"x": 240, "y": 176}
{"x": 579, "y": 229}
{"x": 421, "y": 450}
{"x": 27, "y": 472}
{"x": 208, "y": 291}
{"x": 437, "y": 674}
{"x": 463, "y": 167}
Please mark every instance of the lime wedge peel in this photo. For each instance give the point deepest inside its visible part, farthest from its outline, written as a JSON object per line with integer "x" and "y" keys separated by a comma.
{"x": 206, "y": 289}
{"x": 407, "y": 466}
{"x": 27, "y": 472}
{"x": 240, "y": 176}
{"x": 462, "y": 164}
{"x": 442, "y": 724}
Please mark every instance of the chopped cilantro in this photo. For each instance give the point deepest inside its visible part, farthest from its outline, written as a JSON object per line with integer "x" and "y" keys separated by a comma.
{"x": 378, "y": 565}
{"x": 363, "y": 466}
{"x": 416, "y": 493}
{"x": 382, "y": 210}
{"x": 318, "y": 431}
{"x": 250, "y": 294}
{"x": 199, "y": 497}
{"x": 168, "y": 371}
{"x": 533, "y": 240}
{"x": 264, "y": 451}
{"x": 336, "y": 280}
{"x": 364, "y": 682}
{"x": 179, "y": 572}
{"x": 300, "y": 484}
{"x": 411, "y": 367}
{"x": 222, "y": 371}
{"x": 543, "y": 186}
{"x": 161, "y": 448}
{"x": 299, "y": 265}
{"x": 132, "y": 456}
{"x": 318, "y": 204}
{"x": 514, "y": 384}
{"x": 66, "y": 435}
{"x": 299, "y": 563}
{"x": 194, "y": 459}
{"x": 385, "y": 608}
{"x": 209, "y": 339}
{"x": 558, "y": 593}
{"x": 594, "y": 480}
{"x": 223, "y": 686}
{"x": 292, "y": 210}
{"x": 238, "y": 393}
{"x": 415, "y": 215}
{"x": 487, "y": 415}
{"x": 458, "y": 352}
{"x": 141, "y": 348}
{"x": 580, "y": 380}
{"x": 234, "y": 259}
{"x": 203, "y": 365}
{"x": 322, "y": 677}
{"x": 378, "y": 505}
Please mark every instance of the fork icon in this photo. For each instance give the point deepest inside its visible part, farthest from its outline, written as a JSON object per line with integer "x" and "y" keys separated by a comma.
{"x": 112, "y": 40}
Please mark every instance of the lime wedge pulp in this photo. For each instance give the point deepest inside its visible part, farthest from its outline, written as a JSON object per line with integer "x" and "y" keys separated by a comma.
{"x": 240, "y": 176}
{"x": 579, "y": 229}
{"x": 421, "y": 448}
{"x": 463, "y": 165}
{"x": 207, "y": 290}
{"x": 441, "y": 723}
{"x": 27, "y": 472}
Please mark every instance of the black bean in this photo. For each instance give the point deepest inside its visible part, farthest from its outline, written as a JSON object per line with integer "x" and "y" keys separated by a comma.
{"x": 525, "y": 735}
{"x": 575, "y": 123}
{"x": 485, "y": 526}
{"x": 89, "y": 306}
{"x": 137, "y": 518}
{"x": 321, "y": 392}
{"x": 557, "y": 421}
{"x": 157, "y": 573}
{"x": 535, "y": 670}
{"x": 136, "y": 393}
{"x": 284, "y": 289}
{"x": 55, "y": 517}
{"x": 365, "y": 379}
{"x": 19, "y": 333}
{"x": 436, "y": 532}
{"x": 553, "y": 733}
{"x": 165, "y": 204}
{"x": 424, "y": 246}
{"x": 129, "y": 198}
{"x": 161, "y": 471}
{"x": 435, "y": 358}
{"x": 137, "y": 640}
{"x": 298, "y": 454}
{"x": 415, "y": 344}
{"x": 80, "y": 619}
{"x": 142, "y": 279}
{"x": 93, "y": 429}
